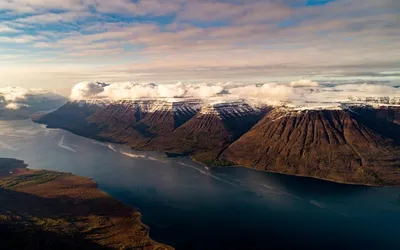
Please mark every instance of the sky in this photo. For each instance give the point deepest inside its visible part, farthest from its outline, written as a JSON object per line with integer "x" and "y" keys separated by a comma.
{"x": 54, "y": 44}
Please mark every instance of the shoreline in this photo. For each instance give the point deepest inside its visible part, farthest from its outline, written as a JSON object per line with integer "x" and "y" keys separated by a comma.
{"x": 296, "y": 175}
{"x": 315, "y": 178}
{"x": 71, "y": 204}
{"x": 205, "y": 165}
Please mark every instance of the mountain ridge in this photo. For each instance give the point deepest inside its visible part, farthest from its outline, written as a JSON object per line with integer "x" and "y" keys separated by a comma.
{"x": 222, "y": 133}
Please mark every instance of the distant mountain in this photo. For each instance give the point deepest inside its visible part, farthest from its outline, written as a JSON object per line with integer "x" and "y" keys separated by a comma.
{"x": 17, "y": 103}
{"x": 377, "y": 100}
{"x": 353, "y": 143}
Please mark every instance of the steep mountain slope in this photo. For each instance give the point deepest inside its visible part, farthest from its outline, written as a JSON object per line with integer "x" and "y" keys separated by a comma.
{"x": 133, "y": 122}
{"x": 73, "y": 117}
{"x": 381, "y": 112}
{"x": 164, "y": 117}
{"x": 116, "y": 122}
{"x": 349, "y": 145}
{"x": 137, "y": 122}
{"x": 210, "y": 131}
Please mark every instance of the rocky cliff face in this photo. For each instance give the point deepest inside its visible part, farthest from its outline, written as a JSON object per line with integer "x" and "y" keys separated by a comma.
{"x": 351, "y": 145}
{"x": 137, "y": 122}
{"x": 164, "y": 117}
{"x": 73, "y": 116}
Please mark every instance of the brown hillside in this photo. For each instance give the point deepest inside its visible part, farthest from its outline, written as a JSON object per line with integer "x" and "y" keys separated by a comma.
{"x": 331, "y": 144}
{"x": 207, "y": 134}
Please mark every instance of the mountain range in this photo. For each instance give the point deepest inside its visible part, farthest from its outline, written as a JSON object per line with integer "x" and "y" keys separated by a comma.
{"x": 353, "y": 142}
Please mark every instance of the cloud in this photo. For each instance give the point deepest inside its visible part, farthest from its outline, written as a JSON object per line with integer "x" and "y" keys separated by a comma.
{"x": 363, "y": 92}
{"x": 240, "y": 11}
{"x": 265, "y": 92}
{"x": 288, "y": 38}
{"x": 369, "y": 89}
{"x": 12, "y": 94}
{"x": 24, "y": 39}
{"x": 303, "y": 93}
{"x": 49, "y": 18}
{"x": 13, "y": 105}
{"x": 128, "y": 90}
{"x": 87, "y": 90}
{"x": 304, "y": 83}
{"x": 17, "y": 97}
{"x": 6, "y": 29}
{"x": 140, "y": 7}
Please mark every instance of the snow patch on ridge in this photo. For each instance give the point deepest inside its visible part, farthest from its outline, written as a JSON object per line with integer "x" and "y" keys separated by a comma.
{"x": 229, "y": 109}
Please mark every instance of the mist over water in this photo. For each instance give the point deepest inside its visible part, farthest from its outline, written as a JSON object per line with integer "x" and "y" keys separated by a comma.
{"x": 192, "y": 207}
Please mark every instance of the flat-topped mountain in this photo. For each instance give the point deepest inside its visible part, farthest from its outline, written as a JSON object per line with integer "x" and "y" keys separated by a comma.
{"x": 351, "y": 145}
{"x": 352, "y": 142}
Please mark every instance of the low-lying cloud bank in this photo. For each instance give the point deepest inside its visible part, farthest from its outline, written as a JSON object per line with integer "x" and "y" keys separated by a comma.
{"x": 128, "y": 90}
{"x": 15, "y": 98}
{"x": 302, "y": 91}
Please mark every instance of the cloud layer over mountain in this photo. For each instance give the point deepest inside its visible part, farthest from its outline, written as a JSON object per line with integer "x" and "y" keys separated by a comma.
{"x": 302, "y": 91}
{"x": 128, "y": 90}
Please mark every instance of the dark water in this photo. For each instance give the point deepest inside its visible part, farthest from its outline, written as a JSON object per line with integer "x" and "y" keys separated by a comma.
{"x": 191, "y": 207}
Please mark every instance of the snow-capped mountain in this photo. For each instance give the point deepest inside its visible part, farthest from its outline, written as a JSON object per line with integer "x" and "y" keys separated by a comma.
{"x": 351, "y": 141}
{"x": 229, "y": 109}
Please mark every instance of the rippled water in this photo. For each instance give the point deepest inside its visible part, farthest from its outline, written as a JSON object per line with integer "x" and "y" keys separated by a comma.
{"x": 192, "y": 207}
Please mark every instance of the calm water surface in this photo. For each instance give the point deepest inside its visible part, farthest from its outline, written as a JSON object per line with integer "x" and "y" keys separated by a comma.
{"x": 191, "y": 207}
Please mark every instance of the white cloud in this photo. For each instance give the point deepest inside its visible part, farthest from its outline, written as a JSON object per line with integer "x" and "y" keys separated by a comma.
{"x": 12, "y": 94}
{"x": 54, "y": 18}
{"x": 269, "y": 91}
{"x": 368, "y": 89}
{"x": 87, "y": 90}
{"x": 141, "y": 7}
{"x": 17, "y": 97}
{"x": 13, "y": 105}
{"x": 18, "y": 39}
{"x": 128, "y": 90}
{"x": 304, "y": 83}
{"x": 303, "y": 93}
{"x": 6, "y": 29}
{"x": 348, "y": 93}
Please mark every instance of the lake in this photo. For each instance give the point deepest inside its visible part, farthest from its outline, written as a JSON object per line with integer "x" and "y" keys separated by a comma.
{"x": 190, "y": 206}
